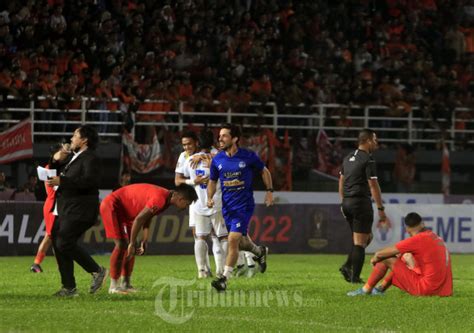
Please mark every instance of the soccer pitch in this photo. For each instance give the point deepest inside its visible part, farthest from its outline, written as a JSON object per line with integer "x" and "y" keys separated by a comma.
{"x": 298, "y": 293}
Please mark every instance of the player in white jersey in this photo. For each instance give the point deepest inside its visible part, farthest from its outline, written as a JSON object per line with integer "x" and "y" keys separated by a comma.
{"x": 189, "y": 141}
{"x": 206, "y": 219}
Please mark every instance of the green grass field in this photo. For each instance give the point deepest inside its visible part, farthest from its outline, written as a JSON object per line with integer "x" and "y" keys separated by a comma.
{"x": 298, "y": 293}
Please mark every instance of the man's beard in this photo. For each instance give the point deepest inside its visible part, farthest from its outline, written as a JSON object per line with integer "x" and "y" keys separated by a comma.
{"x": 225, "y": 147}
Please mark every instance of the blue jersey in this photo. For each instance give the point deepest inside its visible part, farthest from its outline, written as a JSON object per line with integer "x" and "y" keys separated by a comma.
{"x": 236, "y": 176}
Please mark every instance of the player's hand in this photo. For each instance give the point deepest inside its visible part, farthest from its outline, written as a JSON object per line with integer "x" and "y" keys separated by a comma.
{"x": 342, "y": 211}
{"x": 269, "y": 199}
{"x": 194, "y": 160}
{"x": 54, "y": 181}
{"x": 210, "y": 203}
{"x": 131, "y": 251}
{"x": 201, "y": 180}
{"x": 382, "y": 215}
{"x": 142, "y": 249}
{"x": 374, "y": 260}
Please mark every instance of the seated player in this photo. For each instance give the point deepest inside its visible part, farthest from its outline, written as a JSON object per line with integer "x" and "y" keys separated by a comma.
{"x": 420, "y": 264}
{"x": 124, "y": 213}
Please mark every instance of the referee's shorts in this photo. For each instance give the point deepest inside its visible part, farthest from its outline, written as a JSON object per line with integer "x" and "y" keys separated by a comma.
{"x": 359, "y": 213}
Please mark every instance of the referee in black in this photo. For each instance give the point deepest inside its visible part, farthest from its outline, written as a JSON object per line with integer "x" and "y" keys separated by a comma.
{"x": 357, "y": 184}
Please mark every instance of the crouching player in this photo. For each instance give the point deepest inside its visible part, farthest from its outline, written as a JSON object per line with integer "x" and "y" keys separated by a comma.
{"x": 420, "y": 265}
{"x": 124, "y": 213}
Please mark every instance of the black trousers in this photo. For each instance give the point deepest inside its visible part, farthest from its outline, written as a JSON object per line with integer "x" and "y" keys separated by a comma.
{"x": 66, "y": 232}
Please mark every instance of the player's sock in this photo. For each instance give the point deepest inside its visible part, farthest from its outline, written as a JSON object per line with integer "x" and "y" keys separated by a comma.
{"x": 358, "y": 257}
{"x": 116, "y": 262}
{"x": 127, "y": 267}
{"x": 255, "y": 249}
{"x": 218, "y": 254}
{"x": 224, "y": 246}
{"x": 201, "y": 251}
{"x": 228, "y": 272}
{"x": 378, "y": 272}
{"x": 387, "y": 282}
{"x": 206, "y": 257}
{"x": 114, "y": 283}
{"x": 39, "y": 257}
{"x": 348, "y": 262}
{"x": 249, "y": 259}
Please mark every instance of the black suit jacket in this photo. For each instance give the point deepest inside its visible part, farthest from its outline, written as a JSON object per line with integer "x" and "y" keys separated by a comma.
{"x": 78, "y": 192}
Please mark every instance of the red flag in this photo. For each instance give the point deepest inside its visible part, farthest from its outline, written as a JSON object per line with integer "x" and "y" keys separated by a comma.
{"x": 445, "y": 171}
{"x": 141, "y": 158}
{"x": 16, "y": 143}
{"x": 329, "y": 156}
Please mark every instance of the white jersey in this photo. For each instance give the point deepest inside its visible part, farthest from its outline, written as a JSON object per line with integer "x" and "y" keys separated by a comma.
{"x": 183, "y": 157}
{"x": 200, "y": 206}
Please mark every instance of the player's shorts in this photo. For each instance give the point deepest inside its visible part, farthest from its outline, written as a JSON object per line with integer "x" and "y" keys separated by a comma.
{"x": 115, "y": 225}
{"x": 238, "y": 221}
{"x": 191, "y": 220}
{"x": 407, "y": 279}
{"x": 205, "y": 224}
{"x": 359, "y": 213}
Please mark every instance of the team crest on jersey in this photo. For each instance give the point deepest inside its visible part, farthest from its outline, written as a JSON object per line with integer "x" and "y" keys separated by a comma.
{"x": 242, "y": 164}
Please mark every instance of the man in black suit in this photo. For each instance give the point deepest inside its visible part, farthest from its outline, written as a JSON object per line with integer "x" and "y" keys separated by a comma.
{"x": 77, "y": 207}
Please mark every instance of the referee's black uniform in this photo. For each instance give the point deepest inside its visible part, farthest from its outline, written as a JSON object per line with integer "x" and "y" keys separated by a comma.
{"x": 357, "y": 168}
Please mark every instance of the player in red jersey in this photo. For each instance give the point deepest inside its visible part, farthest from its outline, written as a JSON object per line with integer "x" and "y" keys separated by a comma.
{"x": 124, "y": 212}
{"x": 59, "y": 153}
{"x": 420, "y": 265}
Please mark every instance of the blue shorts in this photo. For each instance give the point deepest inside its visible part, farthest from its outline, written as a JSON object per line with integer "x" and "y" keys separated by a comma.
{"x": 238, "y": 222}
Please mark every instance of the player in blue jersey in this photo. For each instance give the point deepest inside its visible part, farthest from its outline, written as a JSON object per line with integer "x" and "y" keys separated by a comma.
{"x": 235, "y": 168}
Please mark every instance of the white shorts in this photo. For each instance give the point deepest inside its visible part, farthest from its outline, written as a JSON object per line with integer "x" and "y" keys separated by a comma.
{"x": 191, "y": 220}
{"x": 204, "y": 224}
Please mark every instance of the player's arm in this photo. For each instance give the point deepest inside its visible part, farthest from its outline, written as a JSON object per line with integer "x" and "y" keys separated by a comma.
{"x": 180, "y": 179}
{"x": 143, "y": 244}
{"x": 377, "y": 196}
{"x": 211, "y": 190}
{"x": 142, "y": 218}
{"x": 341, "y": 187}
{"x": 385, "y": 253}
{"x": 267, "y": 180}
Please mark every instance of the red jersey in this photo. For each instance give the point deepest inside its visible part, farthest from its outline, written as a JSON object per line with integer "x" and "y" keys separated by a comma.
{"x": 133, "y": 198}
{"x": 432, "y": 257}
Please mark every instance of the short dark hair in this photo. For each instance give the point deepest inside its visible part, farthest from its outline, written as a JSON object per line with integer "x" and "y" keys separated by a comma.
{"x": 365, "y": 135}
{"x": 412, "y": 220}
{"x": 235, "y": 131}
{"x": 206, "y": 139}
{"x": 90, "y": 133}
{"x": 190, "y": 135}
{"x": 187, "y": 192}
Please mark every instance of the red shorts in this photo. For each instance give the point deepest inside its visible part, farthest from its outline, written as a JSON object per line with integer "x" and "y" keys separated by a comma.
{"x": 407, "y": 279}
{"x": 115, "y": 224}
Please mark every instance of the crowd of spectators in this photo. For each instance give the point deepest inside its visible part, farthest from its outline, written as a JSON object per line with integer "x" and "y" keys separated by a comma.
{"x": 395, "y": 53}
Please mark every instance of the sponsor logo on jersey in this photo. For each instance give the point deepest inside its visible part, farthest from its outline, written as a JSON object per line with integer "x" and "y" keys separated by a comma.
{"x": 242, "y": 164}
